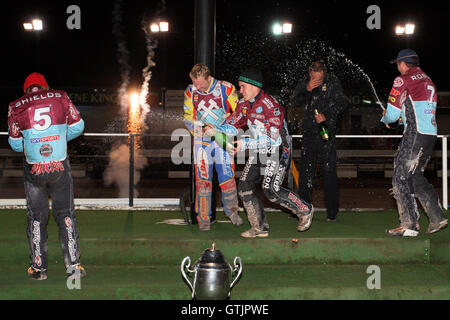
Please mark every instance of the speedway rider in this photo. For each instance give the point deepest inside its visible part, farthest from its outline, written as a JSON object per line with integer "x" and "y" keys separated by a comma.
{"x": 40, "y": 124}
{"x": 271, "y": 146}
{"x": 413, "y": 98}
{"x": 210, "y": 101}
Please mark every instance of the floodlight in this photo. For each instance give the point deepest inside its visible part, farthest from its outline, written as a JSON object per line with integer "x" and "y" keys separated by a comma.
{"x": 154, "y": 27}
{"x": 287, "y": 27}
{"x": 409, "y": 28}
{"x": 277, "y": 29}
{"x": 28, "y": 26}
{"x": 37, "y": 24}
{"x": 164, "y": 26}
{"x": 399, "y": 30}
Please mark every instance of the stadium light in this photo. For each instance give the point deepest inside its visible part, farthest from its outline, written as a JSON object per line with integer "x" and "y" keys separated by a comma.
{"x": 287, "y": 27}
{"x": 279, "y": 28}
{"x": 34, "y": 25}
{"x": 407, "y": 29}
{"x": 164, "y": 26}
{"x": 399, "y": 30}
{"x": 154, "y": 27}
{"x": 161, "y": 26}
{"x": 28, "y": 26}
{"x": 37, "y": 24}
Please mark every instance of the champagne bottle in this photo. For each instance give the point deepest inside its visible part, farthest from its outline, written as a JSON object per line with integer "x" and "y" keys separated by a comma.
{"x": 222, "y": 140}
{"x": 323, "y": 128}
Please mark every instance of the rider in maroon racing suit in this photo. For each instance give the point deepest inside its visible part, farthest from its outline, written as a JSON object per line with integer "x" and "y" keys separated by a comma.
{"x": 271, "y": 146}
{"x": 414, "y": 98}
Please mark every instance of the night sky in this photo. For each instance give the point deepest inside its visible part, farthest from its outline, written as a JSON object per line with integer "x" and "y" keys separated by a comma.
{"x": 88, "y": 58}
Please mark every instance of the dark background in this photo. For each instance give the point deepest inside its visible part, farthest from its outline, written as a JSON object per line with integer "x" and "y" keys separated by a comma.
{"x": 87, "y": 58}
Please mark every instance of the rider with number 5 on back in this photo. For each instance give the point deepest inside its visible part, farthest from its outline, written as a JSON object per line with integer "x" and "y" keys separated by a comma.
{"x": 40, "y": 124}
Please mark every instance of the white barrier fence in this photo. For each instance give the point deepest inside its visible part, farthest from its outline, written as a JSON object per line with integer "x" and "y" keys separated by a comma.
{"x": 443, "y": 154}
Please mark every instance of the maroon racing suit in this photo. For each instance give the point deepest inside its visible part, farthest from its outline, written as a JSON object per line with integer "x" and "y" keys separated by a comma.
{"x": 269, "y": 157}
{"x": 40, "y": 124}
{"x": 413, "y": 97}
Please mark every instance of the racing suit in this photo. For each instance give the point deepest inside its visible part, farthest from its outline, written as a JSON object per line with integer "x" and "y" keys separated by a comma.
{"x": 40, "y": 124}
{"x": 329, "y": 100}
{"x": 211, "y": 107}
{"x": 414, "y": 98}
{"x": 271, "y": 146}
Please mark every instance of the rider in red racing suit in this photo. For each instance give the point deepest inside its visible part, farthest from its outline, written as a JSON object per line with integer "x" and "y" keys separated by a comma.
{"x": 271, "y": 146}
{"x": 414, "y": 98}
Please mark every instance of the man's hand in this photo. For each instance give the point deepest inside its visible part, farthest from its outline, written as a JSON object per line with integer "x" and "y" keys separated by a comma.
{"x": 237, "y": 148}
{"x": 316, "y": 79}
{"x": 384, "y": 112}
{"x": 209, "y": 130}
{"x": 313, "y": 83}
{"x": 320, "y": 117}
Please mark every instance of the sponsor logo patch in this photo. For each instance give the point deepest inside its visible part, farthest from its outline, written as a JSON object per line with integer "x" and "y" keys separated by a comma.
{"x": 298, "y": 202}
{"x": 394, "y": 92}
{"x": 398, "y": 82}
{"x": 46, "y": 150}
{"x": 45, "y": 139}
{"x": 203, "y": 164}
{"x": 41, "y": 167}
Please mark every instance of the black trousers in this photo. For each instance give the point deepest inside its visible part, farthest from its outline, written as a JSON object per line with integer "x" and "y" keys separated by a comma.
{"x": 42, "y": 181}
{"x": 314, "y": 151}
{"x": 268, "y": 169}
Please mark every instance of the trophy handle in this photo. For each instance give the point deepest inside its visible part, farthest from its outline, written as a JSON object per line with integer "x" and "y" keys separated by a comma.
{"x": 185, "y": 277}
{"x": 236, "y": 266}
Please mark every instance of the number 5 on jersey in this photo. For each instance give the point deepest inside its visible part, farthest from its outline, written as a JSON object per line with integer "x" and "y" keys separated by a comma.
{"x": 42, "y": 118}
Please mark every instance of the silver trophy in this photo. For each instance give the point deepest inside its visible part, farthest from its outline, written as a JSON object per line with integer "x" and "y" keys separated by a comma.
{"x": 212, "y": 275}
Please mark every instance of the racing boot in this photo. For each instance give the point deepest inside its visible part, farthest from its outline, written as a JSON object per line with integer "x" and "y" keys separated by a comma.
{"x": 37, "y": 274}
{"x": 432, "y": 228}
{"x": 402, "y": 232}
{"x": 76, "y": 270}
{"x": 257, "y": 219}
{"x": 235, "y": 219}
{"x": 204, "y": 224}
{"x": 305, "y": 220}
{"x": 255, "y": 232}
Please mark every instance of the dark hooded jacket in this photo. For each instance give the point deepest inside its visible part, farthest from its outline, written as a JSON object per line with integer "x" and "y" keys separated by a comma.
{"x": 327, "y": 98}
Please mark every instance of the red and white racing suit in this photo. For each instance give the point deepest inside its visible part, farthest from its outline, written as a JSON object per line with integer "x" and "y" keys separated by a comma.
{"x": 414, "y": 98}
{"x": 40, "y": 125}
{"x": 271, "y": 146}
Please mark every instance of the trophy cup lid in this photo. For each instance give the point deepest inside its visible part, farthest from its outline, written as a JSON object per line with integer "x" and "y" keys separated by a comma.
{"x": 212, "y": 255}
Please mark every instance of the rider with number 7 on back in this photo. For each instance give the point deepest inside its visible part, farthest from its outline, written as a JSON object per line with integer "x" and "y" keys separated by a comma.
{"x": 413, "y": 98}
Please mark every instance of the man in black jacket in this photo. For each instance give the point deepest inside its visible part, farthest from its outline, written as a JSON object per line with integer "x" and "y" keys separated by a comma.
{"x": 320, "y": 91}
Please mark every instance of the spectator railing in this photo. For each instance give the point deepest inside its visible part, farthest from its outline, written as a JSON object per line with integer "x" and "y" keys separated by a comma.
{"x": 443, "y": 138}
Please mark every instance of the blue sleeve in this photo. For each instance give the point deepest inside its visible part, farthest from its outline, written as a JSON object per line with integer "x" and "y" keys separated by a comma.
{"x": 228, "y": 129}
{"x": 16, "y": 144}
{"x": 75, "y": 130}
{"x": 391, "y": 115}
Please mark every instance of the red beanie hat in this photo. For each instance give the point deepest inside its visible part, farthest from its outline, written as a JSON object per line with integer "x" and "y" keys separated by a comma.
{"x": 35, "y": 78}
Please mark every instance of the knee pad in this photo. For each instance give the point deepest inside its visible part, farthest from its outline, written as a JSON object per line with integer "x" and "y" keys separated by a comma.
{"x": 203, "y": 198}
{"x": 229, "y": 186}
{"x": 270, "y": 194}
{"x": 247, "y": 195}
{"x": 203, "y": 187}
